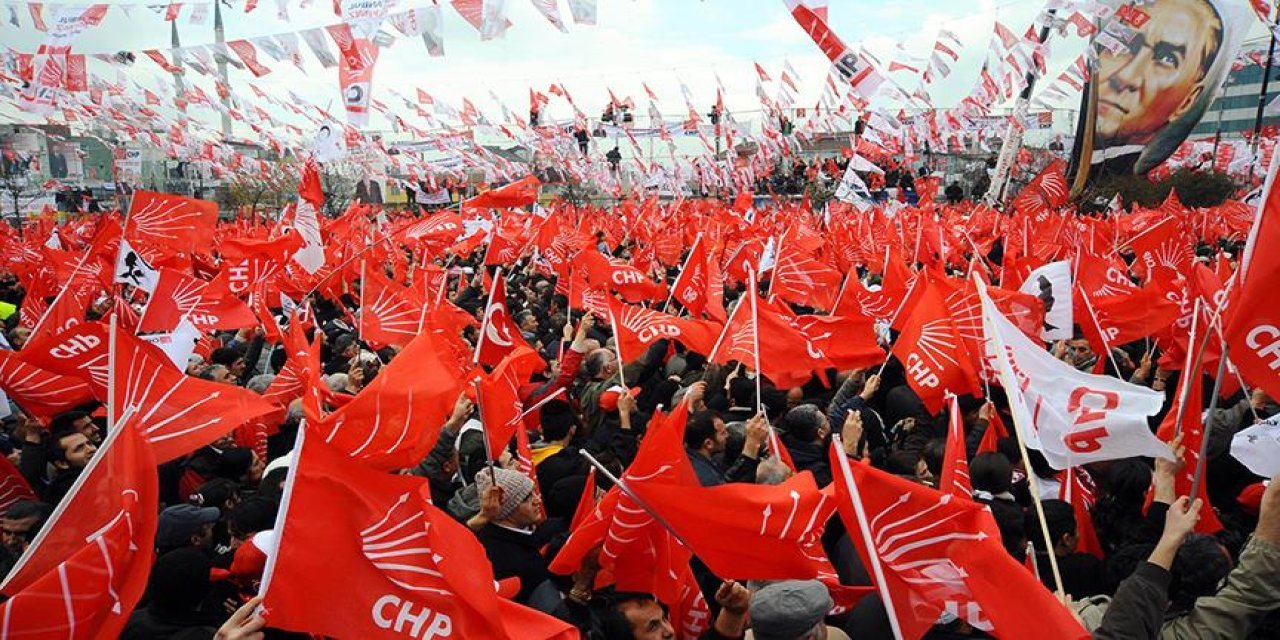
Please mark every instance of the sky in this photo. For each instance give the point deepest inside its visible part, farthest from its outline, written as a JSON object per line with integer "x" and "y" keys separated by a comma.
{"x": 657, "y": 42}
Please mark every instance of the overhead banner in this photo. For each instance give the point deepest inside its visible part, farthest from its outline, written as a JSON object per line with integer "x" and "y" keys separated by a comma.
{"x": 1158, "y": 66}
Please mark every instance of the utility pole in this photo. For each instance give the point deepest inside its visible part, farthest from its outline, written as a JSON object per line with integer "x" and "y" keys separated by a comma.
{"x": 220, "y": 37}
{"x": 1262, "y": 103}
{"x": 179, "y": 88}
{"x": 1013, "y": 134}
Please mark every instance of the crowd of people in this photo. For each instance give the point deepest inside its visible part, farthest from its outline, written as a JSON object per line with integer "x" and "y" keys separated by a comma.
{"x": 1146, "y": 572}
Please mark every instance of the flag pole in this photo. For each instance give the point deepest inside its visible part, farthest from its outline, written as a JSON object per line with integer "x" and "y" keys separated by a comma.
{"x": 618, "y": 482}
{"x": 617, "y": 347}
{"x": 1021, "y": 431}
{"x": 1189, "y": 366}
{"x": 484, "y": 433}
{"x": 755, "y": 335}
{"x": 672, "y": 292}
{"x": 1198, "y": 478}
{"x": 1102, "y": 334}
{"x": 364, "y": 310}
{"x": 61, "y": 507}
{"x": 111, "y": 374}
{"x": 867, "y": 540}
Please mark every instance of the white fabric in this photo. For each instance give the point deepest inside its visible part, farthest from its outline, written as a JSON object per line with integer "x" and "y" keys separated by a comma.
{"x": 1052, "y": 285}
{"x": 1072, "y": 417}
{"x": 1258, "y": 447}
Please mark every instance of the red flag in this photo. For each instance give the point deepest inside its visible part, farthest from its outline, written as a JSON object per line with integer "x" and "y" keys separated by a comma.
{"x": 611, "y": 275}
{"x": 938, "y": 554}
{"x": 933, "y": 352}
{"x": 409, "y": 568}
{"x": 498, "y": 333}
{"x": 801, "y": 279}
{"x": 83, "y": 575}
{"x": 758, "y": 333}
{"x": 995, "y": 431}
{"x": 520, "y": 193}
{"x": 638, "y": 328}
{"x": 389, "y": 313}
{"x": 1191, "y": 387}
{"x": 40, "y": 393}
{"x": 177, "y": 413}
{"x": 955, "y": 463}
{"x": 438, "y": 231}
{"x": 394, "y": 421}
{"x": 178, "y": 296}
{"x": 499, "y": 398}
{"x": 160, "y": 223}
{"x": 1077, "y": 490}
{"x": 13, "y": 487}
{"x": 1253, "y": 325}
{"x": 1046, "y": 192}
{"x": 751, "y": 531}
{"x": 692, "y": 286}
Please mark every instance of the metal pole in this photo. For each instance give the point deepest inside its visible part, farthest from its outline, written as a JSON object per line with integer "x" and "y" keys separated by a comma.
{"x": 179, "y": 88}
{"x": 1012, "y": 135}
{"x": 1262, "y": 102}
{"x": 1207, "y": 427}
{"x": 220, "y": 37}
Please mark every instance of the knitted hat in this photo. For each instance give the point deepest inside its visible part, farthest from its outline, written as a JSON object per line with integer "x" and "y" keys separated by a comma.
{"x": 516, "y": 488}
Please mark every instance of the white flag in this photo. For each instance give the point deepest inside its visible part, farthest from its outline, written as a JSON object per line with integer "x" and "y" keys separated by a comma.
{"x": 311, "y": 256}
{"x": 1258, "y": 447}
{"x": 1052, "y": 285}
{"x": 177, "y": 344}
{"x": 132, "y": 269}
{"x": 1072, "y": 417}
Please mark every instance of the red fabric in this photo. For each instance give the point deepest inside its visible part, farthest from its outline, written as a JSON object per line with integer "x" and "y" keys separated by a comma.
{"x": 995, "y": 431}
{"x": 39, "y": 392}
{"x": 162, "y": 223}
{"x": 309, "y": 188}
{"x": 1253, "y": 325}
{"x": 692, "y": 285}
{"x": 499, "y": 335}
{"x": 390, "y": 314}
{"x": 785, "y": 357}
{"x": 83, "y": 578}
{"x": 1046, "y": 192}
{"x": 801, "y": 279}
{"x": 1192, "y": 437}
{"x": 178, "y": 296}
{"x": 638, "y": 328}
{"x": 609, "y": 275}
{"x": 750, "y": 531}
{"x": 955, "y": 463}
{"x": 398, "y": 555}
{"x": 13, "y": 487}
{"x": 394, "y": 421}
{"x": 520, "y": 193}
{"x": 922, "y": 536}
{"x": 1079, "y": 494}
{"x": 177, "y": 413}
{"x": 933, "y": 352}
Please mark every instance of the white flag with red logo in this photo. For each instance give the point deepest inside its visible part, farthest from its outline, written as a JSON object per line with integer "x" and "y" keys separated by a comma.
{"x": 1072, "y": 417}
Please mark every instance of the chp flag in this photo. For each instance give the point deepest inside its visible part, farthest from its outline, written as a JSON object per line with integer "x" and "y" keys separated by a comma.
{"x": 1253, "y": 322}
{"x": 1072, "y": 417}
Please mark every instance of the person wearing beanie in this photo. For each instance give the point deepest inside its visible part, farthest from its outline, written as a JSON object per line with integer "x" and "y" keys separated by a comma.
{"x": 507, "y": 526}
{"x": 792, "y": 610}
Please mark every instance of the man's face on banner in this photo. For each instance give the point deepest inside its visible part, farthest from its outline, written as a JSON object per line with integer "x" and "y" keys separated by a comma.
{"x": 1159, "y": 78}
